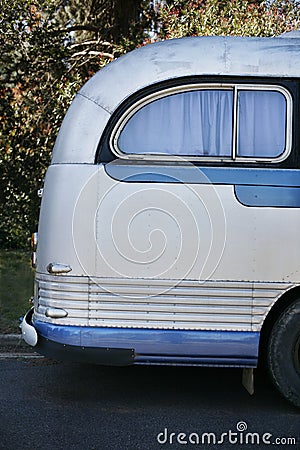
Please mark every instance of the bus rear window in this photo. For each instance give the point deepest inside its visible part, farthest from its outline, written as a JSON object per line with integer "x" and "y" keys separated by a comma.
{"x": 231, "y": 122}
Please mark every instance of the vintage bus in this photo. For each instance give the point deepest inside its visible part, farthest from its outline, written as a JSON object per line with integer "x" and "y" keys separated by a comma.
{"x": 169, "y": 229}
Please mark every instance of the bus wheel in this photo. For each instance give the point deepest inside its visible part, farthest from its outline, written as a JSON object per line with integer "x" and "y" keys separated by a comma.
{"x": 284, "y": 353}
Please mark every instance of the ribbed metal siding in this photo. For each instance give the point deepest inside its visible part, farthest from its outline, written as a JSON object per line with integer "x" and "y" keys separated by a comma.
{"x": 139, "y": 303}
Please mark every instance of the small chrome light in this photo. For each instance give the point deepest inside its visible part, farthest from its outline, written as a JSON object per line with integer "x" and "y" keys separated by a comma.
{"x": 57, "y": 268}
{"x": 33, "y": 260}
{"x": 56, "y": 313}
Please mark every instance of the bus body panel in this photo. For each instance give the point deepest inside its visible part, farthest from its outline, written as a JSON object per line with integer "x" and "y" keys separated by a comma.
{"x": 212, "y": 234}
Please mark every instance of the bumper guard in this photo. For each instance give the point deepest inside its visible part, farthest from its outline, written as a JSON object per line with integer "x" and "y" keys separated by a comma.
{"x": 29, "y": 333}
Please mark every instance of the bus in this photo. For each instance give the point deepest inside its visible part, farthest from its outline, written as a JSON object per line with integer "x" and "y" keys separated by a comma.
{"x": 169, "y": 229}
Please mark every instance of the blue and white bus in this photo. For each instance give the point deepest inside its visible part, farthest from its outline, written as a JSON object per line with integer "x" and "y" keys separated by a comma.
{"x": 169, "y": 230}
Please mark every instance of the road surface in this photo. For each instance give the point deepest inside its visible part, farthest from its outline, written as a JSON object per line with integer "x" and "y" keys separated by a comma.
{"x": 49, "y": 405}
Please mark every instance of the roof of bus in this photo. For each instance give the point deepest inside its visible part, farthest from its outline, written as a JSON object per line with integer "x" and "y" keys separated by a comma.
{"x": 211, "y": 55}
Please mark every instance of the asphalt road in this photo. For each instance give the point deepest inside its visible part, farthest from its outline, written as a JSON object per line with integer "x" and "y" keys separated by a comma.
{"x": 49, "y": 405}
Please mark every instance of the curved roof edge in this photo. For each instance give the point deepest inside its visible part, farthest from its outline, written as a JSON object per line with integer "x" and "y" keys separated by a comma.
{"x": 174, "y": 58}
{"x": 212, "y": 55}
{"x": 290, "y": 34}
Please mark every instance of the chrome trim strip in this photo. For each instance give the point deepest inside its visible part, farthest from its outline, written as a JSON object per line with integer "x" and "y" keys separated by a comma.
{"x": 157, "y": 304}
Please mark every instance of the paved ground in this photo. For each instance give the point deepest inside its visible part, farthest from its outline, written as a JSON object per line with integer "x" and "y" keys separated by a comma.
{"x": 49, "y": 405}
{"x": 14, "y": 345}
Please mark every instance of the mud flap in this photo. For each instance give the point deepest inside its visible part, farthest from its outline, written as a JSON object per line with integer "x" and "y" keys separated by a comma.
{"x": 248, "y": 380}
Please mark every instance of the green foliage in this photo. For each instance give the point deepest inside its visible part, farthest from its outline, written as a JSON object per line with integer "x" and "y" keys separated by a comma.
{"x": 16, "y": 288}
{"x": 34, "y": 97}
{"x": 237, "y": 18}
{"x": 102, "y": 30}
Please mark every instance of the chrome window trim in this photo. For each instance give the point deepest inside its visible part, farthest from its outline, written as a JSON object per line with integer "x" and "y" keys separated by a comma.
{"x": 235, "y": 87}
{"x": 234, "y": 123}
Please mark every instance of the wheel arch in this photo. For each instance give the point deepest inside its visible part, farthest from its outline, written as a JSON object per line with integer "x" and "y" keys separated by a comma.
{"x": 286, "y": 299}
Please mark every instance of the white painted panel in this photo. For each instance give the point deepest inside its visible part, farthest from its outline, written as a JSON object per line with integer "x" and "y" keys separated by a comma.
{"x": 105, "y": 228}
{"x": 64, "y": 185}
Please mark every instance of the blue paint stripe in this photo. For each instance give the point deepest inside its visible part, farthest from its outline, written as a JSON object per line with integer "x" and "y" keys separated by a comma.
{"x": 266, "y": 196}
{"x": 175, "y": 173}
{"x": 176, "y": 343}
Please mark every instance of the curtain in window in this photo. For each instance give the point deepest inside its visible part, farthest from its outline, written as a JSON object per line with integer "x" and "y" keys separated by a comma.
{"x": 262, "y": 122}
{"x": 188, "y": 123}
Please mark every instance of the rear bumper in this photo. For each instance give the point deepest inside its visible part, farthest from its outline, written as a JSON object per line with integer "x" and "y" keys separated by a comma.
{"x": 92, "y": 355}
{"x": 126, "y": 346}
{"x": 61, "y": 351}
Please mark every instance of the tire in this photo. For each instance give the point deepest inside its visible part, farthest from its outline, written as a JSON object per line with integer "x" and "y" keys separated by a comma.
{"x": 284, "y": 353}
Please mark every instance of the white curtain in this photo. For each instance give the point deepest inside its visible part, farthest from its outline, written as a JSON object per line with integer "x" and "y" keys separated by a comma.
{"x": 188, "y": 123}
{"x": 200, "y": 123}
{"x": 261, "y": 130}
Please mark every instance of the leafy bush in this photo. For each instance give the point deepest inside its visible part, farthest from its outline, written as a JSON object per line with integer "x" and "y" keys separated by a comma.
{"x": 16, "y": 288}
{"x": 236, "y": 17}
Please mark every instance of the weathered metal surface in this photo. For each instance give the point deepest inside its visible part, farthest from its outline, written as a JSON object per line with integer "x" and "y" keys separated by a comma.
{"x": 102, "y": 94}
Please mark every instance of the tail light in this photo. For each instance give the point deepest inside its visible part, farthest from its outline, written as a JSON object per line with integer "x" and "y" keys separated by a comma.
{"x": 34, "y": 241}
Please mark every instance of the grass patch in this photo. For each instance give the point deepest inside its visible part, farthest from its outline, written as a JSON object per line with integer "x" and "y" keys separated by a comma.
{"x": 16, "y": 287}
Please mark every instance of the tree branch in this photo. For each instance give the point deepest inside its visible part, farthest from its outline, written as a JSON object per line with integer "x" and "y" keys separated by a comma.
{"x": 96, "y": 42}
{"x": 92, "y": 53}
{"x": 79, "y": 28}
